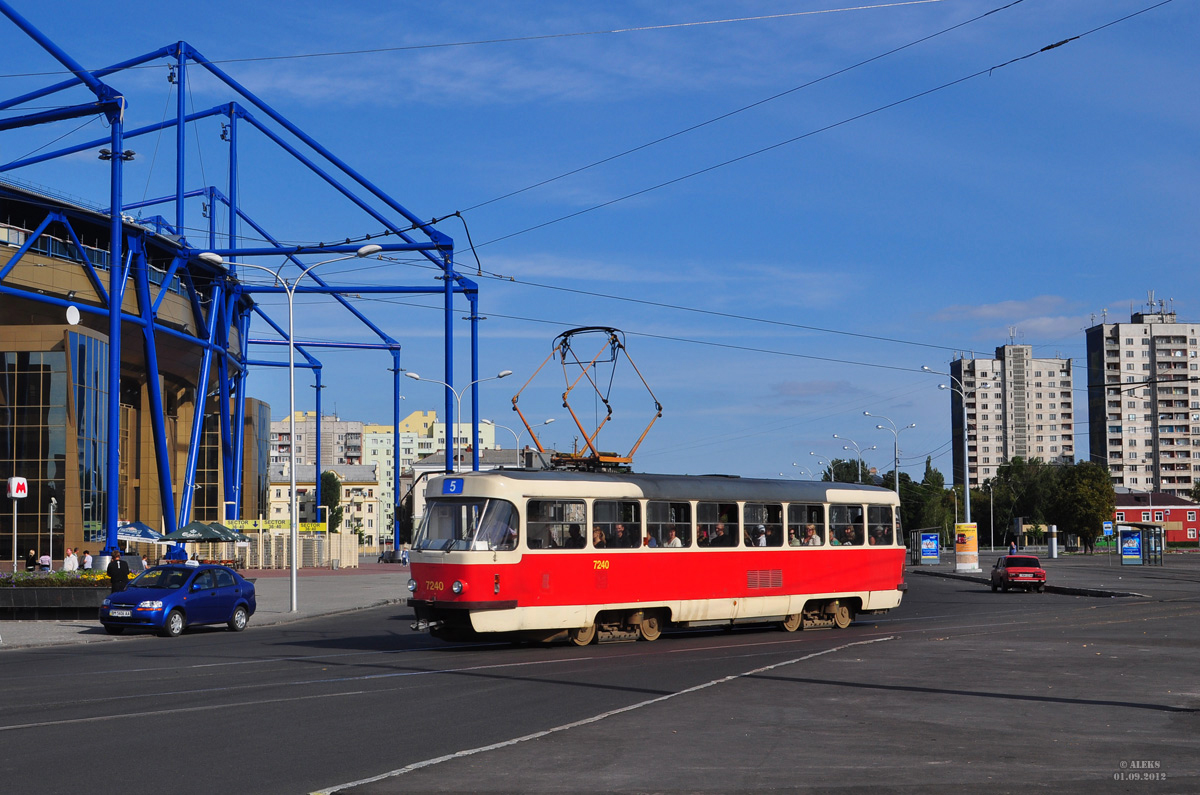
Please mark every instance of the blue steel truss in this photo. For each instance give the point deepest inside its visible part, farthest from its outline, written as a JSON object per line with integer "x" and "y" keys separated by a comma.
{"x": 227, "y": 303}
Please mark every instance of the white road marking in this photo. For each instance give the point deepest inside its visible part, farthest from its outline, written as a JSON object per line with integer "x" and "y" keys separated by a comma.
{"x": 595, "y": 718}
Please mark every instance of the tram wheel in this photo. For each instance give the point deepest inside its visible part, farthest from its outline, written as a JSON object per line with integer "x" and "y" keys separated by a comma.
{"x": 843, "y": 616}
{"x": 791, "y": 623}
{"x": 582, "y": 636}
{"x": 649, "y": 628}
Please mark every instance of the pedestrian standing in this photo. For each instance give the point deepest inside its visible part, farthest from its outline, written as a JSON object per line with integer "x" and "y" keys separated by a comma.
{"x": 44, "y": 562}
{"x": 87, "y": 560}
{"x": 70, "y": 562}
{"x": 31, "y": 561}
{"x": 1012, "y": 547}
{"x": 118, "y": 571}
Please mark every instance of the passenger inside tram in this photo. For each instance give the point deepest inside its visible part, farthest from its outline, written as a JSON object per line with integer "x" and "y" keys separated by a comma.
{"x": 574, "y": 538}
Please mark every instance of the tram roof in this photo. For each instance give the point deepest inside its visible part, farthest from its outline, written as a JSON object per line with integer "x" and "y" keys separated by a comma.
{"x": 665, "y": 487}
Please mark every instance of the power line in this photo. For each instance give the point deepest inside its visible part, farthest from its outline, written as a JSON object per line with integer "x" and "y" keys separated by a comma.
{"x": 541, "y": 37}
{"x": 865, "y": 114}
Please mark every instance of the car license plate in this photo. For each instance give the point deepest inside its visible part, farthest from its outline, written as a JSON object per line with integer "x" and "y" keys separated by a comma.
{"x": 119, "y": 613}
{"x": 1026, "y": 576}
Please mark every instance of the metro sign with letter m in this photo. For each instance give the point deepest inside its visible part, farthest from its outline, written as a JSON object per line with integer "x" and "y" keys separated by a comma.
{"x": 18, "y": 488}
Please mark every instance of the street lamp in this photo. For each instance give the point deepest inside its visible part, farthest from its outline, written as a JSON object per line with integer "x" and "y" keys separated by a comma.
{"x": 991, "y": 517}
{"x": 820, "y": 460}
{"x": 896, "y": 433}
{"x": 806, "y": 470}
{"x": 290, "y": 289}
{"x": 516, "y": 436}
{"x": 857, "y": 451}
{"x": 966, "y": 471}
{"x": 458, "y": 404}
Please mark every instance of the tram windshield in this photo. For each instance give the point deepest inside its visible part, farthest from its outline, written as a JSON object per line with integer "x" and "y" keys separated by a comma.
{"x": 468, "y": 524}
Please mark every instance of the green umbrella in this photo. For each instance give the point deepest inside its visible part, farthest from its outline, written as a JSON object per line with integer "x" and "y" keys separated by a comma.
{"x": 230, "y": 535}
{"x": 195, "y": 531}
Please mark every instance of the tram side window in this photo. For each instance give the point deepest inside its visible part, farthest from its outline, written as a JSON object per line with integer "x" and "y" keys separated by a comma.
{"x": 669, "y": 524}
{"x": 806, "y": 525}
{"x": 764, "y": 524}
{"x": 556, "y": 524}
{"x": 879, "y": 525}
{"x": 619, "y": 521}
{"x": 846, "y": 525}
{"x": 717, "y": 524}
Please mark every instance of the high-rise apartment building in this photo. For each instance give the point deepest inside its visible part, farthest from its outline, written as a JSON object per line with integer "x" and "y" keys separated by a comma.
{"x": 1016, "y": 406}
{"x": 1144, "y": 402}
{"x": 341, "y": 441}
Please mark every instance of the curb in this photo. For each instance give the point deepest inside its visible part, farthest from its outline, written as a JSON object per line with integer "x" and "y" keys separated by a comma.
{"x": 1059, "y": 589}
{"x": 287, "y": 619}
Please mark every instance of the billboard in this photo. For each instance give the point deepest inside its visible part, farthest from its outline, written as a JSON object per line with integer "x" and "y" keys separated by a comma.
{"x": 966, "y": 547}
{"x": 930, "y": 549}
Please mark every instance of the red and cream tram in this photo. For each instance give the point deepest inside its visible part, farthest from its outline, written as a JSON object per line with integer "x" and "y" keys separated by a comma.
{"x": 561, "y": 554}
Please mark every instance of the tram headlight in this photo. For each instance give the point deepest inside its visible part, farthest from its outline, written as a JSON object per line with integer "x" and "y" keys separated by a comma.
{"x": 412, "y": 586}
{"x": 457, "y": 586}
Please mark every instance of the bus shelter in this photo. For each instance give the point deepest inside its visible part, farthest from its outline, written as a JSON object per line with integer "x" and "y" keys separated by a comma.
{"x": 1140, "y": 543}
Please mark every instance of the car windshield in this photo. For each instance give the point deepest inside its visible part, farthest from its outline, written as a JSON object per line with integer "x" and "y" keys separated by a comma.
{"x": 468, "y": 524}
{"x": 167, "y": 578}
{"x": 1022, "y": 563}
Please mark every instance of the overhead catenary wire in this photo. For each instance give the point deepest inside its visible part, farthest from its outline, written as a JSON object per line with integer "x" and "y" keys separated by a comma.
{"x": 529, "y": 38}
{"x": 817, "y": 131}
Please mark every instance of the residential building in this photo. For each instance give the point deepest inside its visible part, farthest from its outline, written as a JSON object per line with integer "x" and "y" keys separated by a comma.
{"x": 1176, "y": 514}
{"x": 1016, "y": 406}
{"x": 341, "y": 441}
{"x": 1143, "y": 402}
{"x": 359, "y": 499}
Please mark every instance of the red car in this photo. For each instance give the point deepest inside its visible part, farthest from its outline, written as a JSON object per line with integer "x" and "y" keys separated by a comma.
{"x": 1018, "y": 571}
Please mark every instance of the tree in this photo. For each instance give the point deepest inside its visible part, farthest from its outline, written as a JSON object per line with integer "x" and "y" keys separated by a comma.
{"x": 910, "y": 499}
{"x": 1085, "y": 501}
{"x": 331, "y": 497}
{"x": 932, "y": 512}
{"x": 844, "y": 470}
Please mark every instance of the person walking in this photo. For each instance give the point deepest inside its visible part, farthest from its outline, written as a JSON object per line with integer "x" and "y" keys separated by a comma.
{"x": 87, "y": 560}
{"x": 118, "y": 572}
{"x": 31, "y": 561}
{"x": 70, "y": 562}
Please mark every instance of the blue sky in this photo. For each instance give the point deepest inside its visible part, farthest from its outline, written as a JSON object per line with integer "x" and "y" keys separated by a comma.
{"x": 1033, "y": 197}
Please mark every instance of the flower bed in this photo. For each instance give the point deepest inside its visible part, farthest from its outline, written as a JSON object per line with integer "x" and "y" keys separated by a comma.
{"x": 55, "y": 579}
{"x": 57, "y": 595}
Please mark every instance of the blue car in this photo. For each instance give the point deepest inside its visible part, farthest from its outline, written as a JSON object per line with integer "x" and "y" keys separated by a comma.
{"x": 171, "y": 597}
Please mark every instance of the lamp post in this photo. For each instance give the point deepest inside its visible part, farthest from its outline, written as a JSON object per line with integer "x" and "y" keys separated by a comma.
{"x": 896, "y": 451}
{"x": 458, "y": 406}
{"x": 516, "y": 436}
{"x": 991, "y": 517}
{"x": 805, "y": 469}
{"x": 857, "y": 451}
{"x": 966, "y": 470}
{"x": 832, "y": 472}
{"x": 53, "y": 505}
{"x": 290, "y": 289}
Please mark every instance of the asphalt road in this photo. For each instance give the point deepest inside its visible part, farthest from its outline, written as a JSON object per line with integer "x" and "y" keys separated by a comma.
{"x": 960, "y": 689}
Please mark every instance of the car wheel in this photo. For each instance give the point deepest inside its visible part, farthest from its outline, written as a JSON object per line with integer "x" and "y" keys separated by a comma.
{"x": 111, "y": 630}
{"x": 1004, "y": 585}
{"x": 993, "y": 586}
{"x": 1041, "y": 588}
{"x": 173, "y": 626}
{"x": 239, "y": 619}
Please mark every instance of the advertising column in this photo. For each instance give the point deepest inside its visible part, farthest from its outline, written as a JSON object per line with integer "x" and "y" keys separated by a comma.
{"x": 966, "y": 547}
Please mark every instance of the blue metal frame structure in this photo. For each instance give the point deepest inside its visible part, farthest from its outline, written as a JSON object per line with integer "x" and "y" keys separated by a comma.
{"x": 229, "y": 301}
